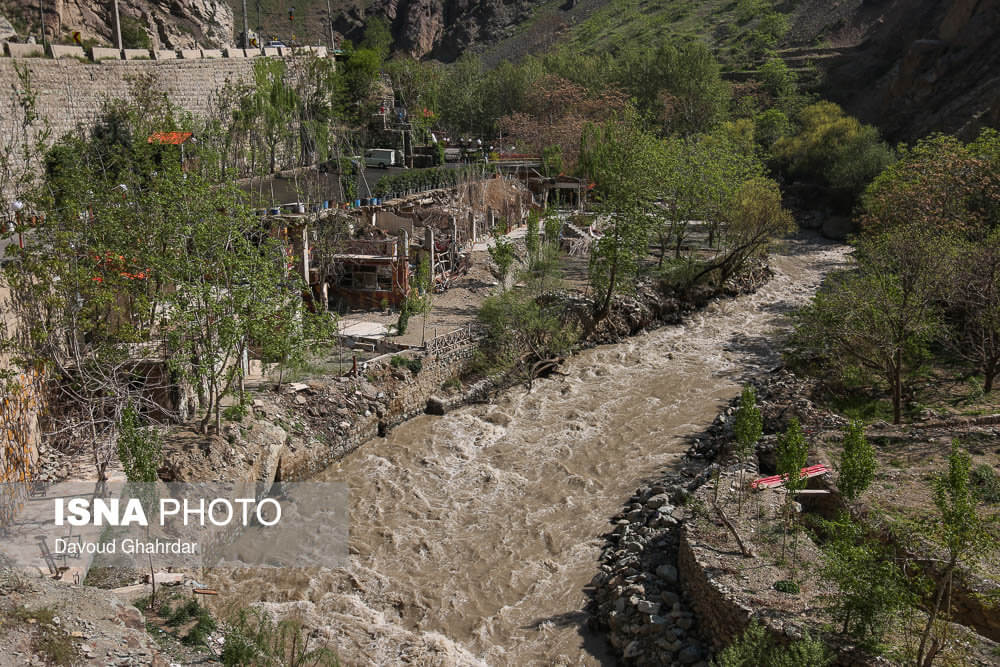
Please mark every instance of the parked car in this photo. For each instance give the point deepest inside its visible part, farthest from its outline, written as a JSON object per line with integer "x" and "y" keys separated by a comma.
{"x": 382, "y": 158}
{"x": 275, "y": 45}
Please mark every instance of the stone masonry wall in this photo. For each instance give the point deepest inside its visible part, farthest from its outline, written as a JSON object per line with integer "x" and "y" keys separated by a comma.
{"x": 71, "y": 92}
{"x": 719, "y": 617}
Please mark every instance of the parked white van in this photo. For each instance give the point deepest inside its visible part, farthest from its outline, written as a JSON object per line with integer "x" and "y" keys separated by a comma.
{"x": 381, "y": 158}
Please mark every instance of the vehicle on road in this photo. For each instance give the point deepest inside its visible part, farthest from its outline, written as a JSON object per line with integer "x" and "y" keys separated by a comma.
{"x": 275, "y": 44}
{"x": 382, "y": 158}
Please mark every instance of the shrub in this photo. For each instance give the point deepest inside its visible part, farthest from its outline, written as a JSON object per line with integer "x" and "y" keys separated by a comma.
{"x": 786, "y": 586}
{"x": 252, "y": 638}
{"x": 986, "y": 484}
{"x": 857, "y": 462}
{"x": 399, "y": 361}
{"x": 756, "y": 647}
{"x": 134, "y": 35}
{"x": 235, "y": 413}
{"x": 835, "y": 150}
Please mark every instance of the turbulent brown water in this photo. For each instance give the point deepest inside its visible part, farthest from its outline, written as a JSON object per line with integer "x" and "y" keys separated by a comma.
{"x": 473, "y": 535}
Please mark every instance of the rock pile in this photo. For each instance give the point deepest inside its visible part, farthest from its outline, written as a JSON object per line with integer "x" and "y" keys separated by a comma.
{"x": 637, "y": 595}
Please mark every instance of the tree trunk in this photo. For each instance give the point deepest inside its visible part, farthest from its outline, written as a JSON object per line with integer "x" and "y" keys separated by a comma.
{"x": 606, "y": 306}
{"x": 897, "y": 389}
{"x": 744, "y": 548}
{"x": 938, "y": 598}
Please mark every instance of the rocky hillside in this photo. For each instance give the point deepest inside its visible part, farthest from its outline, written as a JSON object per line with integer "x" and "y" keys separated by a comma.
{"x": 168, "y": 23}
{"x": 913, "y": 66}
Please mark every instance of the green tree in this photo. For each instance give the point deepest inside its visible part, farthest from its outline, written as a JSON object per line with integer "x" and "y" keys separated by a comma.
{"x": 502, "y": 254}
{"x": 747, "y": 427}
{"x": 134, "y": 34}
{"x": 974, "y": 295}
{"x": 872, "y": 591}
{"x": 882, "y": 315}
{"x": 962, "y": 531}
{"x": 769, "y": 127}
{"x": 361, "y": 69}
{"x": 625, "y": 162}
{"x": 378, "y": 36}
{"x": 421, "y": 299}
{"x": 753, "y": 220}
{"x": 683, "y": 82}
{"x": 793, "y": 452}
{"x": 140, "y": 451}
{"x": 777, "y": 79}
{"x": 274, "y": 102}
{"x": 834, "y": 150}
{"x": 857, "y": 462}
{"x": 528, "y": 329}
{"x": 552, "y": 160}
{"x": 941, "y": 184}
{"x": 531, "y": 240}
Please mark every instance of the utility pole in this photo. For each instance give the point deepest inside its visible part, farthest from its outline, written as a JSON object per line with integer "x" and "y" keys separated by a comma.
{"x": 246, "y": 27}
{"x": 41, "y": 21}
{"x": 258, "y": 24}
{"x": 329, "y": 25}
{"x": 118, "y": 27}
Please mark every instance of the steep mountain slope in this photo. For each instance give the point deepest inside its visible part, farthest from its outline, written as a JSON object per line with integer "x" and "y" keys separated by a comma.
{"x": 916, "y": 66}
{"x": 170, "y": 23}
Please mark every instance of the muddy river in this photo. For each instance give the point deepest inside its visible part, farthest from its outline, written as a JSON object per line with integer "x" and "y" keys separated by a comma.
{"x": 473, "y": 535}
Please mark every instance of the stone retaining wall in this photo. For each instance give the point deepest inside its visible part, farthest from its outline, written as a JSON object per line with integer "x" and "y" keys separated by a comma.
{"x": 71, "y": 92}
{"x": 720, "y": 618}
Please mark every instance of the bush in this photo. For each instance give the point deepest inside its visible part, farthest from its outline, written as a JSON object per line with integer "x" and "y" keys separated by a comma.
{"x": 252, "y": 638}
{"x": 235, "y": 413}
{"x": 985, "y": 484}
{"x": 786, "y": 586}
{"x": 399, "y": 361}
{"x": 756, "y": 647}
{"x": 404, "y": 318}
{"x": 835, "y": 150}
{"x": 857, "y": 462}
{"x": 134, "y": 35}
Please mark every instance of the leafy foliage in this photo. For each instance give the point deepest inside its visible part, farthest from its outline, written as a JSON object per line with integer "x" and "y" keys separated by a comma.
{"x": 747, "y": 427}
{"x": 882, "y": 315}
{"x": 857, "y": 462}
{"x": 253, "y": 638}
{"x": 872, "y": 591}
{"x": 139, "y": 449}
{"x": 834, "y": 150}
{"x": 960, "y": 528}
{"x": 756, "y": 647}
{"x": 502, "y": 254}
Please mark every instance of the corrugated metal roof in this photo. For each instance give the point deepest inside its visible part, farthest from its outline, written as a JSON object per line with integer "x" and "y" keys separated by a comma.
{"x": 174, "y": 138}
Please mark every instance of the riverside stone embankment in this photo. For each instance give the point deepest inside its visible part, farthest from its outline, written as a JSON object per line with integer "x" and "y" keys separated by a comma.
{"x": 654, "y": 594}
